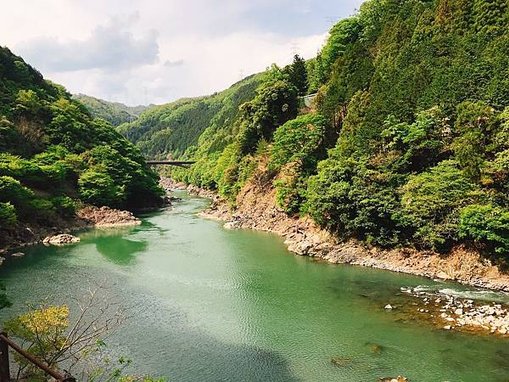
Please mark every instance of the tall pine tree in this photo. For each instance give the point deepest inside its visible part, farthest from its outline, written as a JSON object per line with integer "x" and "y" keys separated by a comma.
{"x": 299, "y": 75}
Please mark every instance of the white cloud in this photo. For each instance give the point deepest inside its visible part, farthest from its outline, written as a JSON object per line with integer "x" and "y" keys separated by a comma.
{"x": 109, "y": 47}
{"x": 170, "y": 48}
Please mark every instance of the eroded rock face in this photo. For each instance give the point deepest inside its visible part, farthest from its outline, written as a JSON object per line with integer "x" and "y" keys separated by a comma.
{"x": 60, "y": 240}
{"x": 108, "y": 217}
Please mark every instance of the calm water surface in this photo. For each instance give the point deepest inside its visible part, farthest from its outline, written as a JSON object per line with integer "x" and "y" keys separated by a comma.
{"x": 217, "y": 305}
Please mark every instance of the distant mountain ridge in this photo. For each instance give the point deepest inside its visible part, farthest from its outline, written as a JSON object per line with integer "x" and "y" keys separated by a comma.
{"x": 173, "y": 128}
{"x": 115, "y": 113}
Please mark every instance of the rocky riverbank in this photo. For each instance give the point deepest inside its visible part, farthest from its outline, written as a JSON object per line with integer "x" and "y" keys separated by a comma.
{"x": 451, "y": 312}
{"x": 256, "y": 209}
{"x": 169, "y": 185}
{"x": 87, "y": 217}
{"x": 107, "y": 217}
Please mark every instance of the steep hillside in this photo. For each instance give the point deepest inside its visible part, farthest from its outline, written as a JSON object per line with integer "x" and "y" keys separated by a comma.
{"x": 114, "y": 112}
{"x": 54, "y": 156}
{"x": 173, "y": 128}
{"x": 409, "y": 143}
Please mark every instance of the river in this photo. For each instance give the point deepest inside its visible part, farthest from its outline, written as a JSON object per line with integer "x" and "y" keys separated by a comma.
{"x": 216, "y": 305}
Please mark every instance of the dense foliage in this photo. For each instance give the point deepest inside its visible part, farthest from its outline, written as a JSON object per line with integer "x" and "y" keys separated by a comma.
{"x": 54, "y": 155}
{"x": 114, "y": 112}
{"x": 228, "y": 150}
{"x": 173, "y": 128}
{"x": 413, "y": 108}
{"x": 419, "y": 92}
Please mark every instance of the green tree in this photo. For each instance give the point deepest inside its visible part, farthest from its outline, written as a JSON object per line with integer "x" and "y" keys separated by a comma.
{"x": 298, "y": 75}
{"x": 431, "y": 202}
{"x": 8, "y": 216}
{"x": 275, "y": 104}
{"x": 475, "y": 124}
{"x": 487, "y": 225}
{"x": 97, "y": 187}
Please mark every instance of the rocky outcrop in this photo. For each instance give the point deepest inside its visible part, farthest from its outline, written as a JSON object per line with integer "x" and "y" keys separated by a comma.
{"x": 107, "y": 217}
{"x": 61, "y": 240}
{"x": 256, "y": 209}
{"x": 461, "y": 314}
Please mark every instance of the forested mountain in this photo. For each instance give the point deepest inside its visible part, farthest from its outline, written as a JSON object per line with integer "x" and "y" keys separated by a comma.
{"x": 173, "y": 128}
{"x": 114, "y": 112}
{"x": 409, "y": 142}
{"x": 54, "y": 156}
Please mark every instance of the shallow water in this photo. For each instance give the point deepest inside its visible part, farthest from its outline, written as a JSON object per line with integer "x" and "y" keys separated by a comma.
{"x": 217, "y": 305}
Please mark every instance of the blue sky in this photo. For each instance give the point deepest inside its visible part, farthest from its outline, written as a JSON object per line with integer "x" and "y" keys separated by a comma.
{"x": 155, "y": 51}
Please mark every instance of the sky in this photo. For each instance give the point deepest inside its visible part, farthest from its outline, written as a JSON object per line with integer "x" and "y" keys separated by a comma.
{"x": 155, "y": 51}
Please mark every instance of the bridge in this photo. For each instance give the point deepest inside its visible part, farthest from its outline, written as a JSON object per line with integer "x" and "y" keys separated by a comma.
{"x": 170, "y": 163}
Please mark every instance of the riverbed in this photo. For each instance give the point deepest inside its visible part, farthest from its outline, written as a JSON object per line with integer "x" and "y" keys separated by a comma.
{"x": 210, "y": 304}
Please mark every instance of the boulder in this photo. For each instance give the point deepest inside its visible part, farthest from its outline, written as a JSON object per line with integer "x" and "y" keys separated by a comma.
{"x": 60, "y": 240}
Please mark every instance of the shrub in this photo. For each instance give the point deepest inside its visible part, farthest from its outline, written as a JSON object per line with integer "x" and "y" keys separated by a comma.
{"x": 97, "y": 187}
{"x": 487, "y": 225}
{"x": 431, "y": 202}
{"x": 8, "y": 216}
{"x": 11, "y": 190}
{"x": 64, "y": 205}
{"x": 300, "y": 139}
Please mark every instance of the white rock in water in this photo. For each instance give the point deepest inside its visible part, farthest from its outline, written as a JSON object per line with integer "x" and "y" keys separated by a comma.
{"x": 60, "y": 240}
{"x": 388, "y": 307}
{"x": 18, "y": 254}
{"x": 447, "y": 327}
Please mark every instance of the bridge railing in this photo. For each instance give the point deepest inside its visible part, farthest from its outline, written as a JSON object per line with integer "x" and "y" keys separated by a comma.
{"x": 5, "y": 374}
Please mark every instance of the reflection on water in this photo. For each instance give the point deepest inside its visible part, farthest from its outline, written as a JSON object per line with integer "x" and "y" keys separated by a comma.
{"x": 114, "y": 246}
{"x": 218, "y": 305}
{"x": 119, "y": 250}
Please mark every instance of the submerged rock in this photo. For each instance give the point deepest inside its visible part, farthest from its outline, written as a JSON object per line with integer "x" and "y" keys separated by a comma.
{"x": 62, "y": 239}
{"x": 18, "y": 254}
{"x": 390, "y": 379}
{"x": 341, "y": 361}
{"x": 375, "y": 348}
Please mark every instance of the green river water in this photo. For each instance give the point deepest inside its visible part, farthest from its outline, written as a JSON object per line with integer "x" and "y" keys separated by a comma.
{"x": 217, "y": 305}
